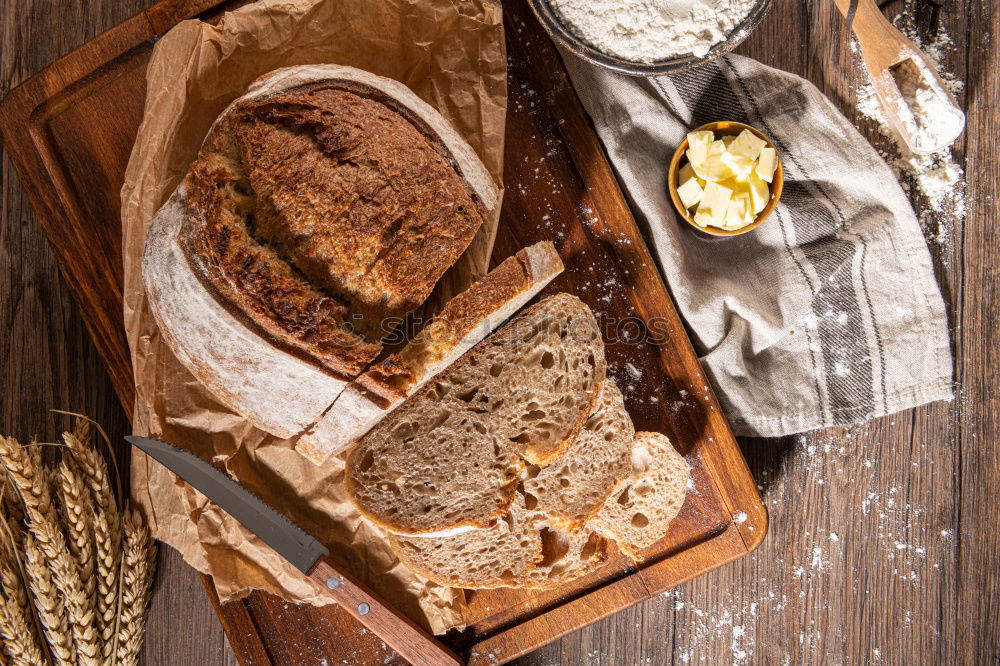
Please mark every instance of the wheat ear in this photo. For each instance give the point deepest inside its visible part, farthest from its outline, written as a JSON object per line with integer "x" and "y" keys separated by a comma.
{"x": 36, "y": 455}
{"x": 77, "y": 507}
{"x": 66, "y": 576}
{"x": 13, "y": 513}
{"x": 30, "y": 481}
{"x": 18, "y": 636}
{"x": 138, "y": 566}
{"x": 106, "y": 530}
{"x": 94, "y": 471}
{"x": 82, "y": 429}
{"x": 17, "y": 624}
{"x": 106, "y": 548}
{"x": 48, "y": 604}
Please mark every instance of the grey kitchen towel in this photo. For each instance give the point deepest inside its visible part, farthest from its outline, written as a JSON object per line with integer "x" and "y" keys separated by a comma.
{"x": 828, "y": 313}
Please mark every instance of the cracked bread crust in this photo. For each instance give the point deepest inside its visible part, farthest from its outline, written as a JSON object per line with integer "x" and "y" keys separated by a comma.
{"x": 324, "y": 213}
{"x": 267, "y": 339}
{"x": 465, "y": 320}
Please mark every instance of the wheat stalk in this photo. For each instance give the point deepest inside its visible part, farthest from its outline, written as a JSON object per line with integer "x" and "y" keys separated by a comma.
{"x": 18, "y": 635}
{"x": 106, "y": 530}
{"x": 82, "y": 429}
{"x": 48, "y": 604}
{"x": 77, "y": 507}
{"x": 108, "y": 554}
{"x": 66, "y": 576}
{"x": 17, "y": 622}
{"x": 87, "y": 569}
{"x": 95, "y": 474}
{"x": 30, "y": 481}
{"x": 138, "y": 566}
{"x": 13, "y": 513}
{"x": 36, "y": 455}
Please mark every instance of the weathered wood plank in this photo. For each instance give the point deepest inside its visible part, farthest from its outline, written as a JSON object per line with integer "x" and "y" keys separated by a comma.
{"x": 922, "y": 479}
{"x": 48, "y": 359}
{"x": 941, "y": 460}
{"x": 75, "y": 166}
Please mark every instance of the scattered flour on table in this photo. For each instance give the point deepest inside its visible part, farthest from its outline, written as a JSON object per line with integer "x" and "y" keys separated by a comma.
{"x": 937, "y": 177}
{"x": 879, "y": 529}
{"x": 651, "y": 30}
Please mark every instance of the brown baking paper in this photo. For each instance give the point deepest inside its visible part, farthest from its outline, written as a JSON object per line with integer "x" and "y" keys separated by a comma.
{"x": 451, "y": 54}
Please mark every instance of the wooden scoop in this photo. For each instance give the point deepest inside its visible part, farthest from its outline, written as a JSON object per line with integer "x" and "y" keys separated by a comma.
{"x": 890, "y": 58}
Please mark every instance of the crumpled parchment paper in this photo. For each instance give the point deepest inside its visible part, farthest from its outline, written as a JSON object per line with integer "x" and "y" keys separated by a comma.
{"x": 451, "y": 54}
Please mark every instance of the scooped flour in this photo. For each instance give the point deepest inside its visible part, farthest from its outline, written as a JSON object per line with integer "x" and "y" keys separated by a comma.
{"x": 937, "y": 177}
{"x": 931, "y": 119}
{"x": 651, "y": 30}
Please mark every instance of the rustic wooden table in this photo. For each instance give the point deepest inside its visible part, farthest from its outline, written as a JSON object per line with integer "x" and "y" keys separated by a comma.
{"x": 884, "y": 544}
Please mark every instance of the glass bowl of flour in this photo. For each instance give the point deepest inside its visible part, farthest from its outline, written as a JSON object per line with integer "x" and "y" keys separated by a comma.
{"x": 644, "y": 37}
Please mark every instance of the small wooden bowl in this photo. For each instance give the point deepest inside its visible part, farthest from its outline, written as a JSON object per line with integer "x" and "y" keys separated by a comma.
{"x": 725, "y": 128}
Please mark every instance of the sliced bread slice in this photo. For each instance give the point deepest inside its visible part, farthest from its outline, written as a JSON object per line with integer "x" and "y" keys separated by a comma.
{"x": 520, "y": 550}
{"x": 573, "y": 489}
{"x": 450, "y": 458}
{"x": 638, "y": 513}
{"x": 464, "y": 321}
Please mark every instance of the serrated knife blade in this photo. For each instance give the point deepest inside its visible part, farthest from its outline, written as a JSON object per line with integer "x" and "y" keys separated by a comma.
{"x": 278, "y": 532}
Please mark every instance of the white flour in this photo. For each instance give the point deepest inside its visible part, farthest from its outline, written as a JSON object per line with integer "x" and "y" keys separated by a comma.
{"x": 936, "y": 177}
{"x": 931, "y": 119}
{"x": 651, "y": 30}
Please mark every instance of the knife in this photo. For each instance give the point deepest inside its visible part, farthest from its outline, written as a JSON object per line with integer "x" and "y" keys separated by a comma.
{"x": 304, "y": 552}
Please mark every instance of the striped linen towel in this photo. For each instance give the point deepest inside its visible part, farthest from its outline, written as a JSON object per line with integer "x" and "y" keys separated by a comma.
{"x": 828, "y": 313}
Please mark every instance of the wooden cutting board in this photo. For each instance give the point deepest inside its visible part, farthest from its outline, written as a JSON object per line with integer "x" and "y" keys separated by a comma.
{"x": 69, "y": 131}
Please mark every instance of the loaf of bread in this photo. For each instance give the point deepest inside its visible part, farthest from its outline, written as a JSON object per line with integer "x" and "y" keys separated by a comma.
{"x": 325, "y": 204}
{"x": 638, "y": 513}
{"x": 465, "y": 320}
{"x": 572, "y": 489}
{"x": 542, "y": 541}
{"x": 520, "y": 550}
{"x": 450, "y": 459}
{"x": 546, "y": 538}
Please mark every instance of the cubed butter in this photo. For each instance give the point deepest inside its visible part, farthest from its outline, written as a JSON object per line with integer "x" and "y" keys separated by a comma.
{"x": 715, "y": 203}
{"x": 717, "y": 148}
{"x": 698, "y": 145}
{"x": 760, "y": 193}
{"x": 740, "y": 166}
{"x": 713, "y": 169}
{"x": 747, "y": 145}
{"x": 740, "y": 212}
{"x": 686, "y": 173}
{"x": 725, "y": 181}
{"x": 690, "y": 192}
{"x": 703, "y": 218}
{"x": 767, "y": 163}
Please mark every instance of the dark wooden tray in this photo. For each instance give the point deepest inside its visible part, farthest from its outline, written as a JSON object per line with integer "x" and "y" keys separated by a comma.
{"x": 69, "y": 131}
